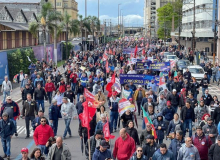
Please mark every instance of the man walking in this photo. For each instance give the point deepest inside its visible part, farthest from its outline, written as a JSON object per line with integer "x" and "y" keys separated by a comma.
{"x": 12, "y": 109}
{"x": 54, "y": 115}
{"x": 29, "y": 112}
{"x": 7, "y": 129}
{"x": 59, "y": 151}
{"x": 39, "y": 95}
{"x": 68, "y": 111}
{"x": 214, "y": 150}
{"x": 124, "y": 146}
{"x": 6, "y": 88}
{"x": 42, "y": 133}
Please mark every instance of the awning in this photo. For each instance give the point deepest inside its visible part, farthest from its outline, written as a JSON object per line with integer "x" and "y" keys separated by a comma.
{"x": 15, "y": 26}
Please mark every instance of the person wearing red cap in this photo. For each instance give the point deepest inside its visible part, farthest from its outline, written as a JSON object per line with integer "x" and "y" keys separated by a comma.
{"x": 24, "y": 153}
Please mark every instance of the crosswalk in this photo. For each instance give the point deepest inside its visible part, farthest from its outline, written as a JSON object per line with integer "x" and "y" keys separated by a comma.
{"x": 22, "y": 130}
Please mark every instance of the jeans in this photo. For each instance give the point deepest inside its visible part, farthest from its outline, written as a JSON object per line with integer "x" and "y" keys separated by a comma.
{"x": 114, "y": 119}
{"x": 159, "y": 141}
{"x": 67, "y": 129}
{"x": 139, "y": 107}
{"x": 143, "y": 124}
{"x": 203, "y": 90}
{"x": 6, "y": 145}
{"x": 214, "y": 78}
{"x": 5, "y": 94}
{"x": 27, "y": 122}
{"x": 54, "y": 126}
{"x": 49, "y": 95}
{"x": 15, "y": 123}
{"x": 42, "y": 148}
{"x": 209, "y": 77}
{"x": 195, "y": 95}
{"x": 176, "y": 108}
{"x": 187, "y": 123}
{"x": 73, "y": 86}
{"x": 40, "y": 102}
{"x": 78, "y": 94}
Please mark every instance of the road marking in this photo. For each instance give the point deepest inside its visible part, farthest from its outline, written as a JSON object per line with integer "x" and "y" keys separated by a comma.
{"x": 22, "y": 130}
{"x": 28, "y": 146}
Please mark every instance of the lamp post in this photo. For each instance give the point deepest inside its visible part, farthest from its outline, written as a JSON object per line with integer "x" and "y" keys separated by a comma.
{"x": 118, "y": 18}
{"x": 85, "y": 29}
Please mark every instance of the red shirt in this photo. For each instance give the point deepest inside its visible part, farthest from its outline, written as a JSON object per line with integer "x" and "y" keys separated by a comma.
{"x": 49, "y": 87}
{"x": 42, "y": 134}
{"x": 73, "y": 76}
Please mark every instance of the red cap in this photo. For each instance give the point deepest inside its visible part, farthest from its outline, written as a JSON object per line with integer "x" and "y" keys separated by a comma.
{"x": 68, "y": 86}
{"x": 130, "y": 99}
{"x": 24, "y": 150}
{"x": 168, "y": 103}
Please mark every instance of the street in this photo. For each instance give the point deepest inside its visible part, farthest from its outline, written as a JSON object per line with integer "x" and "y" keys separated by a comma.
{"x": 74, "y": 143}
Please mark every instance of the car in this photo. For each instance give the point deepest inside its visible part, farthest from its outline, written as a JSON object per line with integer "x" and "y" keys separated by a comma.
{"x": 196, "y": 71}
{"x": 75, "y": 39}
{"x": 182, "y": 64}
{"x": 170, "y": 57}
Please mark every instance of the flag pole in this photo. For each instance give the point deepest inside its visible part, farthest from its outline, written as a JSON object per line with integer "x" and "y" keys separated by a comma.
{"x": 88, "y": 131}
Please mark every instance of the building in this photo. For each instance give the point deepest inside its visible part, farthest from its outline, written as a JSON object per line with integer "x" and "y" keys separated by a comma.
{"x": 150, "y": 16}
{"x": 71, "y": 6}
{"x": 203, "y": 25}
{"x": 14, "y": 26}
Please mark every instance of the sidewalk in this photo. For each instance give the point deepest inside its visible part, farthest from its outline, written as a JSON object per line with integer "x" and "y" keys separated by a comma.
{"x": 16, "y": 92}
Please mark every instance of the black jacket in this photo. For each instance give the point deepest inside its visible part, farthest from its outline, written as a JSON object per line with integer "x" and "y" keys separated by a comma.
{"x": 187, "y": 75}
{"x": 25, "y": 92}
{"x": 203, "y": 82}
{"x": 194, "y": 87}
{"x": 83, "y": 130}
{"x": 79, "y": 89}
{"x": 183, "y": 113}
{"x": 79, "y": 107}
{"x": 216, "y": 115}
{"x": 57, "y": 79}
{"x": 176, "y": 85}
{"x": 174, "y": 99}
{"x": 214, "y": 152}
{"x": 134, "y": 134}
{"x": 39, "y": 94}
{"x": 207, "y": 100}
{"x": 149, "y": 150}
{"x": 69, "y": 94}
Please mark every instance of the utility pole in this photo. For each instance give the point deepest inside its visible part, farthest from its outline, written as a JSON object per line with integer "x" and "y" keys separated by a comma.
{"x": 218, "y": 43}
{"x": 179, "y": 29}
{"x": 85, "y": 29}
{"x": 118, "y": 18}
{"x": 122, "y": 27}
{"x": 55, "y": 35}
{"x": 215, "y": 32}
{"x": 110, "y": 27}
{"x": 105, "y": 31}
{"x": 194, "y": 27}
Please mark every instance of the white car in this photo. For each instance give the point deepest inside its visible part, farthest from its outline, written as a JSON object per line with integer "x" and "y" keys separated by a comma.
{"x": 170, "y": 57}
{"x": 196, "y": 71}
{"x": 75, "y": 39}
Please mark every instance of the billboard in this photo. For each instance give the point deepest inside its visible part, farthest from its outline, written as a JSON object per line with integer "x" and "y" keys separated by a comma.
{"x": 3, "y": 66}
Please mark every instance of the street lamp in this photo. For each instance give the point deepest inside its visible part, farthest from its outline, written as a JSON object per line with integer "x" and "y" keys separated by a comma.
{"x": 118, "y": 18}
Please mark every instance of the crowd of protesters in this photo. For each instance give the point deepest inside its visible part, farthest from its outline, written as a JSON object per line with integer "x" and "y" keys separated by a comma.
{"x": 88, "y": 70}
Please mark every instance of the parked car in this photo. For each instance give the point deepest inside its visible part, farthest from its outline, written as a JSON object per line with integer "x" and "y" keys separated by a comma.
{"x": 196, "y": 71}
{"x": 170, "y": 57}
{"x": 182, "y": 64}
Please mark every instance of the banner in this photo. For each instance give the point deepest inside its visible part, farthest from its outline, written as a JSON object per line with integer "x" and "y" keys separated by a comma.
{"x": 138, "y": 79}
{"x": 3, "y": 66}
{"x": 163, "y": 66}
{"x": 124, "y": 105}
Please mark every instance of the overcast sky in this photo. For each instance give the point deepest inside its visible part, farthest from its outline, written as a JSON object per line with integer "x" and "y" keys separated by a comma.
{"x": 132, "y": 10}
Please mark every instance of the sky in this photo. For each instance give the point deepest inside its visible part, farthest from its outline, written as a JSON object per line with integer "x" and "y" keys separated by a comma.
{"x": 132, "y": 10}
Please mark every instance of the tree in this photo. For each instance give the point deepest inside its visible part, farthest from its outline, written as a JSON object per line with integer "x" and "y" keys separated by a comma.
{"x": 84, "y": 24}
{"x": 95, "y": 25}
{"x": 45, "y": 23}
{"x": 165, "y": 15}
{"x": 70, "y": 26}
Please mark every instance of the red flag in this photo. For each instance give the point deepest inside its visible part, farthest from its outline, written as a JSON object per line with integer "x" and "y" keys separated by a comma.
{"x": 86, "y": 116}
{"x": 88, "y": 94}
{"x": 114, "y": 51}
{"x": 110, "y": 84}
{"x": 90, "y": 98}
{"x": 135, "y": 51}
{"x": 106, "y": 131}
{"x": 143, "y": 52}
{"x": 106, "y": 67}
{"x": 110, "y": 51}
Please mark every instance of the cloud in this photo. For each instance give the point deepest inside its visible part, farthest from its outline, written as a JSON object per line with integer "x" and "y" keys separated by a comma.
{"x": 129, "y": 20}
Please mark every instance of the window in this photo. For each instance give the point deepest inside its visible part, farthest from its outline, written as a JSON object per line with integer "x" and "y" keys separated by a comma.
{"x": 58, "y": 3}
{"x": 65, "y": 5}
{"x": 197, "y": 24}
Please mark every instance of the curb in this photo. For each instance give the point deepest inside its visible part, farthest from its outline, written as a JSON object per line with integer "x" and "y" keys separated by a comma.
{"x": 18, "y": 100}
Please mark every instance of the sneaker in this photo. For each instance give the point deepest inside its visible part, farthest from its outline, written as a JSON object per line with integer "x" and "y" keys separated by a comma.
{"x": 16, "y": 134}
{"x": 8, "y": 157}
{"x": 27, "y": 137}
{"x": 4, "y": 156}
{"x": 70, "y": 135}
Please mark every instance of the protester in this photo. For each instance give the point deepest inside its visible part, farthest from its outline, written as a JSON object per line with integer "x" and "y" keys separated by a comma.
{"x": 124, "y": 146}
{"x": 150, "y": 146}
{"x": 127, "y": 116}
{"x": 101, "y": 123}
{"x": 69, "y": 94}
{"x": 29, "y": 112}
{"x": 25, "y": 91}
{"x": 49, "y": 143}
{"x": 102, "y": 111}
{"x": 132, "y": 132}
{"x": 160, "y": 127}
{"x": 145, "y": 133}
{"x": 214, "y": 150}
{"x": 6, "y": 88}
{"x": 49, "y": 88}
{"x": 207, "y": 98}
{"x": 37, "y": 121}
{"x": 202, "y": 142}
{"x": 37, "y": 154}
{"x": 163, "y": 153}
{"x": 7, "y": 130}
{"x": 59, "y": 150}
{"x": 24, "y": 154}
{"x": 102, "y": 152}
{"x": 101, "y": 98}
{"x": 174, "y": 100}
{"x": 175, "y": 124}
{"x": 42, "y": 133}
{"x": 138, "y": 155}
{"x": 39, "y": 95}
{"x": 200, "y": 110}
{"x": 210, "y": 130}
{"x": 188, "y": 151}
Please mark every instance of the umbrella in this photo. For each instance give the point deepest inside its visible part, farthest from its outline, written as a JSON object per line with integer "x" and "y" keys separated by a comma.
{"x": 82, "y": 146}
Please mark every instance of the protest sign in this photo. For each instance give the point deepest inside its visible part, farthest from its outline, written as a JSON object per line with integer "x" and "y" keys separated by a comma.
{"x": 163, "y": 66}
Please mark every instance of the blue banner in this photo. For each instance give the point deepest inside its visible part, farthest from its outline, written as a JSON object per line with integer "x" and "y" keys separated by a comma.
{"x": 163, "y": 66}
{"x": 3, "y": 66}
{"x": 138, "y": 79}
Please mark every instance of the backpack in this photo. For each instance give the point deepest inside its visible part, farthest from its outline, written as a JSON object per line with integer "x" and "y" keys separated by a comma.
{"x": 207, "y": 139}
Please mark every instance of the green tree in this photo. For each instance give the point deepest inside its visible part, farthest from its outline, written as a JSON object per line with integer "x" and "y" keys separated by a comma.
{"x": 165, "y": 15}
{"x": 70, "y": 26}
{"x": 45, "y": 23}
{"x": 94, "y": 24}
